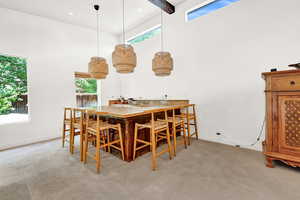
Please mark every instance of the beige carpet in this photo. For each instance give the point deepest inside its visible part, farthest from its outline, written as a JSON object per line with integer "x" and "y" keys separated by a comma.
{"x": 205, "y": 171}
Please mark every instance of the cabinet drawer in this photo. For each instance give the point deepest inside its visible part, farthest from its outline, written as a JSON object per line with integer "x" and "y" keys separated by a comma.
{"x": 286, "y": 83}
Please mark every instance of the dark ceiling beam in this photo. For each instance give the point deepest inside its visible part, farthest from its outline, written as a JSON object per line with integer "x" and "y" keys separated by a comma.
{"x": 165, "y": 5}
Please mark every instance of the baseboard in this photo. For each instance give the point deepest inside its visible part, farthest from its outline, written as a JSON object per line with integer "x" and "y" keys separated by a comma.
{"x": 56, "y": 138}
{"x": 33, "y": 143}
{"x": 231, "y": 145}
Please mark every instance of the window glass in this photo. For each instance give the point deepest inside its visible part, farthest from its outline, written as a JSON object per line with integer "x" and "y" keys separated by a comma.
{"x": 144, "y": 36}
{"x": 13, "y": 89}
{"x": 207, "y": 8}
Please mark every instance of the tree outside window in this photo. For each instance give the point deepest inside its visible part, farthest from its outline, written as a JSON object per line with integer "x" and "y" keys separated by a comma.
{"x": 13, "y": 85}
{"x": 84, "y": 85}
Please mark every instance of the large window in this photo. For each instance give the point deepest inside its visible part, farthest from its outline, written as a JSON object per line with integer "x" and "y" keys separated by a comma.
{"x": 87, "y": 91}
{"x": 145, "y": 35}
{"x": 207, "y": 7}
{"x": 13, "y": 89}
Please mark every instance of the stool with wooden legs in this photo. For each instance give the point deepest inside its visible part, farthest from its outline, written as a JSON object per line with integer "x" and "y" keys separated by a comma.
{"x": 156, "y": 127}
{"x": 67, "y": 126}
{"x": 177, "y": 125}
{"x": 99, "y": 131}
{"x": 190, "y": 119}
{"x": 78, "y": 121}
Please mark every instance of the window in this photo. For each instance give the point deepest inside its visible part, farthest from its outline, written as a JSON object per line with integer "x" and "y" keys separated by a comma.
{"x": 145, "y": 35}
{"x": 206, "y": 8}
{"x": 13, "y": 89}
{"x": 87, "y": 92}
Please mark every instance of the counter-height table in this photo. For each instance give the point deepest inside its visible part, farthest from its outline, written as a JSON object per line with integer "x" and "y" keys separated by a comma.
{"x": 127, "y": 116}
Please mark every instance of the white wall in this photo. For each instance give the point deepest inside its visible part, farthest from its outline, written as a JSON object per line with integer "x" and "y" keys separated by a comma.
{"x": 54, "y": 51}
{"x": 218, "y": 63}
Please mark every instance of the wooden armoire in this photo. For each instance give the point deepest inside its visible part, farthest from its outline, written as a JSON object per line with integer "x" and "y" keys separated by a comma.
{"x": 282, "y": 117}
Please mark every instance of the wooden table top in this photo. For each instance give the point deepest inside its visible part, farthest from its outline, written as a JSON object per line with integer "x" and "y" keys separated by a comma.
{"x": 125, "y": 110}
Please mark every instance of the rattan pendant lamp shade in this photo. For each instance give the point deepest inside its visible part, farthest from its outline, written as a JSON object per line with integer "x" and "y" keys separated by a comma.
{"x": 162, "y": 63}
{"x": 124, "y": 57}
{"x": 98, "y": 67}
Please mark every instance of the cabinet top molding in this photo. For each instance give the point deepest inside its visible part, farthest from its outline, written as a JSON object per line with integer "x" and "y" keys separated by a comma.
{"x": 293, "y": 71}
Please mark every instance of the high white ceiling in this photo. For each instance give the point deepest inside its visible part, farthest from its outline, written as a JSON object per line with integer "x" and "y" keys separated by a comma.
{"x": 81, "y": 12}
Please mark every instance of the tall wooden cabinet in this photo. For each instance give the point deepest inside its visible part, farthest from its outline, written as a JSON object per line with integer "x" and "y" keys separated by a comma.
{"x": 282, "y": 117}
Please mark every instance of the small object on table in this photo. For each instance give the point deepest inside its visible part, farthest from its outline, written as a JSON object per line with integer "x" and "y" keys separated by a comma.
{"x": 297, "y": 65}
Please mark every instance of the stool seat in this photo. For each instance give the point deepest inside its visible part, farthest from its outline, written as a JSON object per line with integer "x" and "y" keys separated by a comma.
{"x": 159, "y": 124}
{"x": 77, "y": 124}
{"x": 184, "y": 115}
{"x": 102, "y": 126}
{"x": 178, "y": 120}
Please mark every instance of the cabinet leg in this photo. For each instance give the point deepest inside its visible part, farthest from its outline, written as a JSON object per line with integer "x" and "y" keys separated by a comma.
{"x": 269, "y": 162}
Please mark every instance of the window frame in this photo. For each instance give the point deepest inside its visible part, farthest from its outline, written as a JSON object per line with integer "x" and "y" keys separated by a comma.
{"x": 28, "y": 63}
{"x": 85, "y": 75}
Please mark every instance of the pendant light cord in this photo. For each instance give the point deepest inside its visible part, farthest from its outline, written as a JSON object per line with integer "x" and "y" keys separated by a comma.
{"x": 98, "y": 35}
{"x": 161, "y": 27}
{"x": 123, "y": 22}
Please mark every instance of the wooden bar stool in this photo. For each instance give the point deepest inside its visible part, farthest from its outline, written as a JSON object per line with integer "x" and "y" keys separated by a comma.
{"x": 177, "y": 125}
{"x": 67, "y": 126}
{"x": 99, "y": 132}
{"x": 190, "y": 119}
{"x": 78, "y": 120}
{"x": 156, "y": 128}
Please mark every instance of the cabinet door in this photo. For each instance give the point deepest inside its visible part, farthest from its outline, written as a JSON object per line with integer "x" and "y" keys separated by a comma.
{"x": 289, "y": 124}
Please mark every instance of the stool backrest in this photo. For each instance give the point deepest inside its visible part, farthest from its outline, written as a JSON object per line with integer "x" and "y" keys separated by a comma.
{"x": 92, "y": 114}
{"x": 78, "y": 113}
{"x": 173, "y": 111}
{"x": 68, "y": 114}
{"x": 164, "y": 111}
{"x": 188, "y": 109}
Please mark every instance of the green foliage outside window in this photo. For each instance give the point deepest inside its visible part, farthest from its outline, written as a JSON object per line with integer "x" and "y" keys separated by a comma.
{"x": 13, "y": 81}
{"x": 145, "y": 36}
{"x": 86, "y": 85}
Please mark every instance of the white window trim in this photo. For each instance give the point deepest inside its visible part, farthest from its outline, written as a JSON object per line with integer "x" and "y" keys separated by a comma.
{"x": 196, "y": 7}
{"x": 99, "y": 92}
{"x": 142, "y": 33}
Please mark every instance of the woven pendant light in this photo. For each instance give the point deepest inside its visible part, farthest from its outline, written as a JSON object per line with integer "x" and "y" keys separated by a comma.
{"x": 124, "y": 57}
{"x": 162, "y": 63}
{"x": 98, "y": 68}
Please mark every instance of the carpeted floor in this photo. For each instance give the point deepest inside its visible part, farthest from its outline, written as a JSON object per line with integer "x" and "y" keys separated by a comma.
{"x": 205, "y": 171}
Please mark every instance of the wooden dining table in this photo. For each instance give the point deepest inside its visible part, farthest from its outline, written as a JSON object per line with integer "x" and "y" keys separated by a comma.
{"x": 127, "y": 116}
